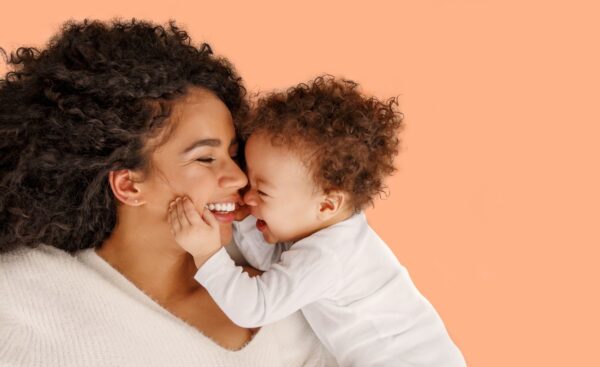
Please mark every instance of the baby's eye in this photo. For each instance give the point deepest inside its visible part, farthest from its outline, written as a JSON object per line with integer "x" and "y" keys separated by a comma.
{"x": 261, "y": 193}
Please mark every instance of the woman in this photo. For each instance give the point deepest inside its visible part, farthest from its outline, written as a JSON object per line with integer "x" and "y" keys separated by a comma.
{"x": 98, "y": 133}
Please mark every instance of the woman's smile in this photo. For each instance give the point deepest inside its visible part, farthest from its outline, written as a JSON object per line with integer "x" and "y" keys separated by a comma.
{"x": 225, "y": 209}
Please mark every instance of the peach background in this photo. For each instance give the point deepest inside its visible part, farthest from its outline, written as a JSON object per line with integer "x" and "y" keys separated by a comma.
{"x": 494, "y": 210}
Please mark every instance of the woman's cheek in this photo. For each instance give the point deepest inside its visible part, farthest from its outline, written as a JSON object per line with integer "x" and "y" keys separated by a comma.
{"x": 203, "y": 190}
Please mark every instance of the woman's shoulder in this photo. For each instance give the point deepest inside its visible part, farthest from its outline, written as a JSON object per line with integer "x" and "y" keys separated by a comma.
{"x": 32, "y": 273}
{"x": 31, "y": 262}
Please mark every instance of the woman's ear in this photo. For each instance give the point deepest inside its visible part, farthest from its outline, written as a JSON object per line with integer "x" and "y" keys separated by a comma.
{"x": 125, "y": 186}
{"x": 331, "y": 204}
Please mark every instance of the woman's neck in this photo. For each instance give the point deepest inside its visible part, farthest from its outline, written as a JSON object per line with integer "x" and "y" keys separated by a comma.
{"x": 148, "y": 256}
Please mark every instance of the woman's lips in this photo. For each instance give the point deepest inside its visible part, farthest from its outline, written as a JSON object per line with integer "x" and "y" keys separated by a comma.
{"x": 261, "y": 225}
{"x": 224, "y": 217}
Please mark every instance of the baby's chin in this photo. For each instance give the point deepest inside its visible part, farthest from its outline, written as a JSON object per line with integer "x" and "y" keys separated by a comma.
{"x": 270, "y": 239}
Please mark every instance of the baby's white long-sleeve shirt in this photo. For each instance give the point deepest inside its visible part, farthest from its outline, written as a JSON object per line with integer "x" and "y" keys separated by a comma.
{"x": 350, "y": 287}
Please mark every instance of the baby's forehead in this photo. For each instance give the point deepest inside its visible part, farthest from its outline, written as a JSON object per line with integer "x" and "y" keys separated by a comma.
{"x": 274, "y": 163}
{"x": 261, "y": 147}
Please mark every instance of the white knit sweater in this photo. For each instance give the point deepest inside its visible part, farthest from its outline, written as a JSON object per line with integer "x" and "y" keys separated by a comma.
{"x": 63, "y": 310}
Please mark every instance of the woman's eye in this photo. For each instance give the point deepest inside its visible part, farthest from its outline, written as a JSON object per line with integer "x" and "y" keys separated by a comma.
{"x": 206, "y": 160}
{"x": 261, "y": 193}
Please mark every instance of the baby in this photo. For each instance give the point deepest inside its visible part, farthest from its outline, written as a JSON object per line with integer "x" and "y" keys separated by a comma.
{"x": 316, "y": 156}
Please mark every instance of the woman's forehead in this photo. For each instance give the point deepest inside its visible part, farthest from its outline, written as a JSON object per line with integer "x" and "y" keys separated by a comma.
{"x": 202, "y": 117}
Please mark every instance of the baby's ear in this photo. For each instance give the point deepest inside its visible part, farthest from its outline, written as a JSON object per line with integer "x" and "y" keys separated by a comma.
{"x": 331, "y": 204}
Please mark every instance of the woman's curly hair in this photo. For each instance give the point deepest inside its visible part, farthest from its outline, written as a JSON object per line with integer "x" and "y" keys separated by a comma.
{"x": 348, "y": 141}
{"x": 82, "y": 107}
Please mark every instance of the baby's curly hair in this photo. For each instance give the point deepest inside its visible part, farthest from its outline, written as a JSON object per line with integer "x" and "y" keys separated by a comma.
{"x": 349, "y": 140}
{"x": 82, "y": 107}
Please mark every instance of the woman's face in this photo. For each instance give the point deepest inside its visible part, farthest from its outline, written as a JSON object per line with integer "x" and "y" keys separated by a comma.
{"x": 197, "y": 160}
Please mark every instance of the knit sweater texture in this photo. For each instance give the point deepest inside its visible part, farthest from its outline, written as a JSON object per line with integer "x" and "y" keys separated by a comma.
{"x": 62, "y": 310}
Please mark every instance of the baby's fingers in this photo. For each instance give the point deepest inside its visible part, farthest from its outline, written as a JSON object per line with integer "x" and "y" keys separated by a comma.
{"x": 191, "y": 212}
{"x": 181, "y": 213}
{"x": 210, "y": 219}
{"x": 172, "y": 216}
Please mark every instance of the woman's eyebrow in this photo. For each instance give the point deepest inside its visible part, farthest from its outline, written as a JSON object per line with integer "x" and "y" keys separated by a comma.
{"x": 207, "y": 143}
{"x": 202, "y": 143}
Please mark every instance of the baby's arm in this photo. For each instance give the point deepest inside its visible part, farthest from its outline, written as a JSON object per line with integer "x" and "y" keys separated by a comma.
{"x": 251, "y": 243}
{"x": 304, "y": 275}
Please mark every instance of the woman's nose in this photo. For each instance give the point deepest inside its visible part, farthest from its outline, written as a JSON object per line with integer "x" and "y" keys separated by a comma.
{"x": 250, "y": 197}
{"x": 234, "y": 177}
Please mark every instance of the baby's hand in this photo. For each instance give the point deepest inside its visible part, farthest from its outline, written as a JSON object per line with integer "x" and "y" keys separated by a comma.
{"x": 198, "y": 235}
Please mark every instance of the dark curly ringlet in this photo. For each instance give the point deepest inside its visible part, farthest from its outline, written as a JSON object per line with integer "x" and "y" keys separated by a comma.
{"x": 83, "y": 106}
{"x": 348, "y": 140}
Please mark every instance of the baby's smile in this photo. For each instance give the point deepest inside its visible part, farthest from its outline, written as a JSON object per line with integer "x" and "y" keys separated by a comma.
{"x": 261, "y": 225}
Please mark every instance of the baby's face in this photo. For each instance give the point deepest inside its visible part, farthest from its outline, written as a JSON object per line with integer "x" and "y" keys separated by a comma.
{"x": 282, "y": 195}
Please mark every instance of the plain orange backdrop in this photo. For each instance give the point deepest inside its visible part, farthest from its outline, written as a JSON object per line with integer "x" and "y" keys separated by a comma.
{"x": 495, "y": 209}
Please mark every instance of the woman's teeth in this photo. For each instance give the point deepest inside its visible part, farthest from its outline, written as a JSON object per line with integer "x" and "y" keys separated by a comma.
{"x": 221, "y": 207}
